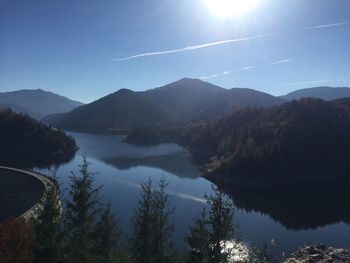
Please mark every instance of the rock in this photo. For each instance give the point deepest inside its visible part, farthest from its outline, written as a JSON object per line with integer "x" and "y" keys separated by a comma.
{"x": 319, "y": 254}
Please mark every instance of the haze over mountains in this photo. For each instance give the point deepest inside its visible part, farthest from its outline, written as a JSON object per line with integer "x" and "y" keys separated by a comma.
{"x": 325, "y": 93}
{"x": 36, "y": 103}
{"x": 181, "y": 101}
{"x": 194, "y": 99}
{"x": 186, "y": 100}
{"x": 124, "y": 109}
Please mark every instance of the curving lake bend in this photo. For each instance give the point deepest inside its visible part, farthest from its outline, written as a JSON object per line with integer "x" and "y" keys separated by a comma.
{"x": 290, "y": 219}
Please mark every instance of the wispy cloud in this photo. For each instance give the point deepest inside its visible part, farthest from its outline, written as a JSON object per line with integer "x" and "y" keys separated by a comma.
{"x": 190, "y": 48}
{"x": 314, "y": 82}
{"x": 246, "y": 68}
{"x": 242, "y": 69}
{"x": 217, "y": 75}
{"x": 279, "y": 62}
{"x": 327, "y": 25}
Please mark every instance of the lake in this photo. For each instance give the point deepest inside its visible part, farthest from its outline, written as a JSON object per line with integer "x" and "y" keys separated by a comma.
{"x": 290, "y": 219}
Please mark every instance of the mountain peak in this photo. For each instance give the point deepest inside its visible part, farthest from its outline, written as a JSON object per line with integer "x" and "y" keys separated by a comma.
{"x": 189, "y": 80}
{"x": 124, "y": 91}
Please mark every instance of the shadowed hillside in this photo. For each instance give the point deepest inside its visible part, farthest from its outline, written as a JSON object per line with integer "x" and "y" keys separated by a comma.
{"x": 295, "y": 142}
{"x": 117, "y": 112}
{"x": 24, "y": 140}
{"x": 194, "y": 99}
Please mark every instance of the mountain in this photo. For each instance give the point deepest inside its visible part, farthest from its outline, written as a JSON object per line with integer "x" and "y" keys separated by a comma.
{"x": 120, "y": 111}
{"x": 194, "y": 99}
{"x": 24, "y": 138}
{"x": 325, "y": 93}
{"x": 186, "y": 100}
{"x": 36, "y": 103}
{"x": 303, "y": 140}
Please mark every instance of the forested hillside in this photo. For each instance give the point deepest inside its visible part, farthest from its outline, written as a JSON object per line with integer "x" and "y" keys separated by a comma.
{"x": 118, "y": 112}
{"x": 22, "y": 136}
{"x": 299, "y": 139}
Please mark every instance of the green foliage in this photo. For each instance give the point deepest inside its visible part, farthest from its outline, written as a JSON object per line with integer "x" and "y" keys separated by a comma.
{"x": 88, "y": 230}
{"x": 254, "y": 147}
{"x": 152, "y": 226}
{"x": 82, "y": 210}
{"x": 221, "y": 225}
{"x": 198, "y": 240}
{"x": 107, "y": 236}
{"x": 21, "y": 133}
{"x": 25, "y": 142}
{"x": 208, "y": 238}
{"x": 116, "y": 112}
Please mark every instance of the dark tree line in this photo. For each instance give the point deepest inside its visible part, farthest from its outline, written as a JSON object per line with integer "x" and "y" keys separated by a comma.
{"x": 23, "y": 138}
{"x": 295, "y": 140}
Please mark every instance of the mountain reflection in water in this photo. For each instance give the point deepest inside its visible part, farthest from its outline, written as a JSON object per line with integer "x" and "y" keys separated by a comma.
{"x": 300, "y": 207}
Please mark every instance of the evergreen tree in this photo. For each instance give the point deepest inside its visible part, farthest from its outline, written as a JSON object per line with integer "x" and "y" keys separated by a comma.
{"x": 80, "y": 218}
{"x": 221, "y": 225}
{"x": 152, "y": 226}
{"x": 208, "y": 238}
{"x": 106, "y": 236}
{"x": 198, "y": 240}
{"x": 141, "y": 239}
{"x": 163, "y": 225}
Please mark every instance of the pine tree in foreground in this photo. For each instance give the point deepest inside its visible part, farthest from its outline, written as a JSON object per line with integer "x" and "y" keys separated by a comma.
{"x": 198, "y": 240}
{"x": 81, "y": 211}
{"x": 208, "y": 238}
{"x": 106, "y": 235}
{"x": 221, "y": 225}
{"x": 152, "y": 226}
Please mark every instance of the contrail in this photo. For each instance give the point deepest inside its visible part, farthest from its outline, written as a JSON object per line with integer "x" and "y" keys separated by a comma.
{"x": 190, "y": 48}
{"x": 279, "y": 62}
{"x": 246, "y": 68}
{"x": 314, "y": 81}
{"x": 217, "y": 75}
{"x": 243, "y": 69}
{"x": 327, "y": 25}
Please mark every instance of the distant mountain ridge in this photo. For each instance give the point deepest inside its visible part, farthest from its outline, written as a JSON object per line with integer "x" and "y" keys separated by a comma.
{"x": 186, "y": 100}
{"x": 37, "y": 103}
{"x": 120, "y": 111}
{"x": 183, "y": 101}
{"x": 194, "y": 99}
{"x": 324, "y": 92}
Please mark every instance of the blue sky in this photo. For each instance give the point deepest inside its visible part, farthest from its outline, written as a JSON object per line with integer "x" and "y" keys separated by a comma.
{"x": 84, "y": 49}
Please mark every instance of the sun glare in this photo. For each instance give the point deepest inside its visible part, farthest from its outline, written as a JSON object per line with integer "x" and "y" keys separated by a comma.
{"x": 226, "y": 9}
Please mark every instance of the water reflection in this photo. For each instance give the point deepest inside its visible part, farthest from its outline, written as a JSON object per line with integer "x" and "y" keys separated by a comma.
{"x": 111, "y": 150}
{"x": 30, "y": 160}
{"x": 261, "y": 216}
{"x": 174, "y": 164}
{"x": 297, "y": 208}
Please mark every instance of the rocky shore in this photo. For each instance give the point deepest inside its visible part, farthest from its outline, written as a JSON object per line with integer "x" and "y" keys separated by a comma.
{"x": 320, "y": 254}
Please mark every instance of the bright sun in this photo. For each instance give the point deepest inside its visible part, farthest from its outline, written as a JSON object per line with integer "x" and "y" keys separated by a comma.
{"x": 230, "y": 8}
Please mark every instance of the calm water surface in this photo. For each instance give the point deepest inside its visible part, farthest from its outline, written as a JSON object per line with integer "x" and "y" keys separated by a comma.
{"x": 289, "y": 220}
